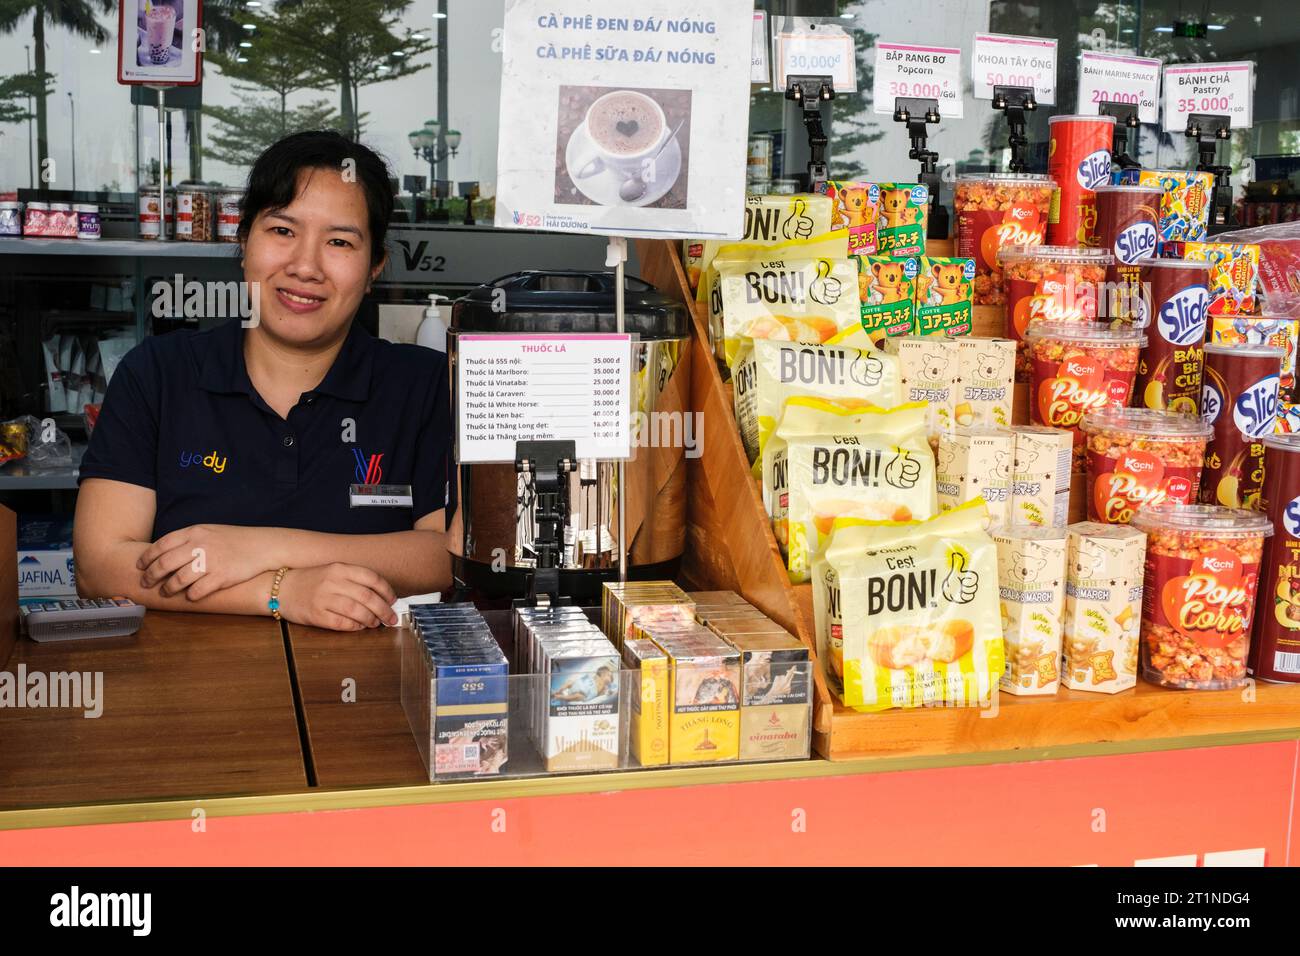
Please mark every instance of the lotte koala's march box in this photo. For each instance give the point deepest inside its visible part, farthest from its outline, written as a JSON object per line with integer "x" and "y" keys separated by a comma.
{"x": 1103, "y": 606}
{"x": 944, "y": 293}
{"x": 887, "y": 288}
{"x": 1031, "y": 590}
{"x": 976, "y": 463}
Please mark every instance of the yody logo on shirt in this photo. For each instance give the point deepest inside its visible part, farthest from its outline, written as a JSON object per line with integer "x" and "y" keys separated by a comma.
{"x": 210, "y": 460}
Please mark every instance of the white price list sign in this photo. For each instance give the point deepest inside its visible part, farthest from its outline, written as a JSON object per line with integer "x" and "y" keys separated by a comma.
{"x": 759, "y": 71}
{"x": 998, "y": 60}
{"x": 1220, "y": 89}
{"x": 1106, "y": 78}
{"x": 826, "y": 52}
{"x": 512, "y": 388}
{"x": 908, "y": 70}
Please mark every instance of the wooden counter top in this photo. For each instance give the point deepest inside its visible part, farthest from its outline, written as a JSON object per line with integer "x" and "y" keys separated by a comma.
{"x": 193, "y": 705}
{"x": 365, "y": 742}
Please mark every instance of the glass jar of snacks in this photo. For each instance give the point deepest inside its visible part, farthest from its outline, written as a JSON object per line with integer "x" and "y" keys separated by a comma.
{"x": 1140, "y": 457}
{"x": 1049, "y": 284}
{"x": 1202, "y": 572}
{"x": 996, "y": 210}
{"x": 1076, "y": 369}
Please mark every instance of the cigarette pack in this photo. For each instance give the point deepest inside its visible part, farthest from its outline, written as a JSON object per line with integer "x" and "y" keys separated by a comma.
{"x": 581, "y": 729}
{"x": 454, "y": 690}
{"x": 776, "y": 696}
{"x": 625, "y": 604}
{"x": 649, "y": 703}
{"x": 976, "y": 463}
{"x": 704, "y": 697}
{"x": 1040, "y": 478}
{"x": 1103, "y": 606}
{"x": 1031, "y": 589}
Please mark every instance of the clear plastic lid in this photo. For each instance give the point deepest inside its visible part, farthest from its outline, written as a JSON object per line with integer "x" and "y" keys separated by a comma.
{"x": 1282, "y": 442}
{"x": 1087, "y": 255}
{"x": 60, "y": 207}
{"x": 10, "y": 205}
{"x": 1249, "y": 351}
{"x": 1212, "y": 520}
{"x": 85, "y": 207}
{"x": 1090, "y": 334}
{"x": 1007, "y": 179}
{"x": 1110, "y": 120}
{"x": 38, "y": 206}
{"x": 1127, "y": 188}
{"x": 1160, "y": 263}
{"x": 1148, "y": 423}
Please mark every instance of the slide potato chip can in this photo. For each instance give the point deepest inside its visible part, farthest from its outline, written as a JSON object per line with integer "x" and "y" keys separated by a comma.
{"x": 1126, "y": 227}
{"x": 1184, "y": 202}
{"x": 1239, "y": 399}
{"x": 1169, "y": 368}
{"x": 1078, "y": 160}
{"x": 1275, "y": 652}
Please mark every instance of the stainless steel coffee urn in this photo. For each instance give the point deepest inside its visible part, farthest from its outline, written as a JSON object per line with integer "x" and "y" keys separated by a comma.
{"x": 498, "y": 505}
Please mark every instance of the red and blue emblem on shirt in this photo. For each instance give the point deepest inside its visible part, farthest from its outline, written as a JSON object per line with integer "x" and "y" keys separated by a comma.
{"x": 368, "y": 470}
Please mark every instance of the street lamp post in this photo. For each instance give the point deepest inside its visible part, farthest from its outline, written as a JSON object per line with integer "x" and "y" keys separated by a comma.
{"x": 73, "y": 103}
{"x": 31, "y": 164}
{"x": 424, "y": 142}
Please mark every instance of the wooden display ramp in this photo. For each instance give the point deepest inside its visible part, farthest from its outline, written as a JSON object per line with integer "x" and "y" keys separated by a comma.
{"x": 730, "y": 545}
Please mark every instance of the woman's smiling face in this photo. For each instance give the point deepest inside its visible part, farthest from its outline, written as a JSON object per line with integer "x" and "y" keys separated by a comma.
{"x": 312, "y": 260}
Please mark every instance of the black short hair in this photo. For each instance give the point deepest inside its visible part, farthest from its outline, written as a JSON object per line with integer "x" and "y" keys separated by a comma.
{"x": 274, "y": 179}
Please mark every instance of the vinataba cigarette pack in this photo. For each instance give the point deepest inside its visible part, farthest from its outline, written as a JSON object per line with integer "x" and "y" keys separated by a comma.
{"x": 976, "y": 463}
{"x": 1031, "y": 588}
{"x": 581, "y": 729}
{"x": 855, "y": 207}
{"x": 944, "y": 291}
{"x": 776, "y": 695}
{"x": 649, "y": 705}
{"x": 887, "y": 289}
{"x": 1040, "y": 476}
{"x": 986, "y": 374}
{"x": 902, "y": 220}
{"x": 1103, "y": 606}
{"x": 704, "y": 697}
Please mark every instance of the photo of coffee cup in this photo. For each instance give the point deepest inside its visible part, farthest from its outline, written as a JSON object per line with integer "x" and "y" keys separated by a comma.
{"x": 622, "y": 147}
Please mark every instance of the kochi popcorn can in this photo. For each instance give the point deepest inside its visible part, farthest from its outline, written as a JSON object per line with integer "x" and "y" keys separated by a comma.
{"x": 1275, "y": 653}
{"x": 1078, "y": 160}
{"x": 1198, "y": 595}
{"x": 1169, "y": 368}
{"x": 1239, "y": 399}
{"x": 1126, "y": 228}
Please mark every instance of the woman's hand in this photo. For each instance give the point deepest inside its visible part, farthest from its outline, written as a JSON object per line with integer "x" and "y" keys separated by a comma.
{"x": 339, "y": 597}
{"x": 205, "y": 558}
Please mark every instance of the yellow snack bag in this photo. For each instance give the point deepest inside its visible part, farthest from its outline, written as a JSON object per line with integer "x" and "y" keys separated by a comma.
{"x": 812, "y": 300}
{"x": 769, "y": 221}
{"x": 825, "y": 461}
{"x": 767, "y": 373}
{"x": 907, "y": 613}
{"x": 832, "y": 245}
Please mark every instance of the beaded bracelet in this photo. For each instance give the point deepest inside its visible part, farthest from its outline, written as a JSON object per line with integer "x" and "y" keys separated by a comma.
{"x": 274, "y": 603}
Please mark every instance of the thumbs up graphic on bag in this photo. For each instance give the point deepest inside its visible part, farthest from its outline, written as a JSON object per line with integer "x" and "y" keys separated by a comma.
{"x": 903, "y": 470}
{"x": 824, "y": 288}
{"x": 800, "y": 224}
{"x": 960, "y": 586}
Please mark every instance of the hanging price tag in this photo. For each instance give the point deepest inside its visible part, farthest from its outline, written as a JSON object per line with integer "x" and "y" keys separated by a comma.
{"x": 1106, "y": 78}
{"x": 932, "y": 72}
{"x": 998, "y": 60}
{"x": 1222, "y": 89}
{"x": 817, "y": 50}
{"x": 759, "y": 70}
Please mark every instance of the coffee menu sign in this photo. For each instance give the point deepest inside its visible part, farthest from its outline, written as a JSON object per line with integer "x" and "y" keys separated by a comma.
{"x": 627, "y": 122}
{"x": 160, "y": 42}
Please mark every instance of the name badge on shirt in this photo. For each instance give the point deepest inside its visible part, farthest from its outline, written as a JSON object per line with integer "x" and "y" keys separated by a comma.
{"x": 380, "y": 496}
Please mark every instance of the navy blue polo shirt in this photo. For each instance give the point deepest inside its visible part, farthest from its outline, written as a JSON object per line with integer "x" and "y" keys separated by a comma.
{"x": 182, "y": 417}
